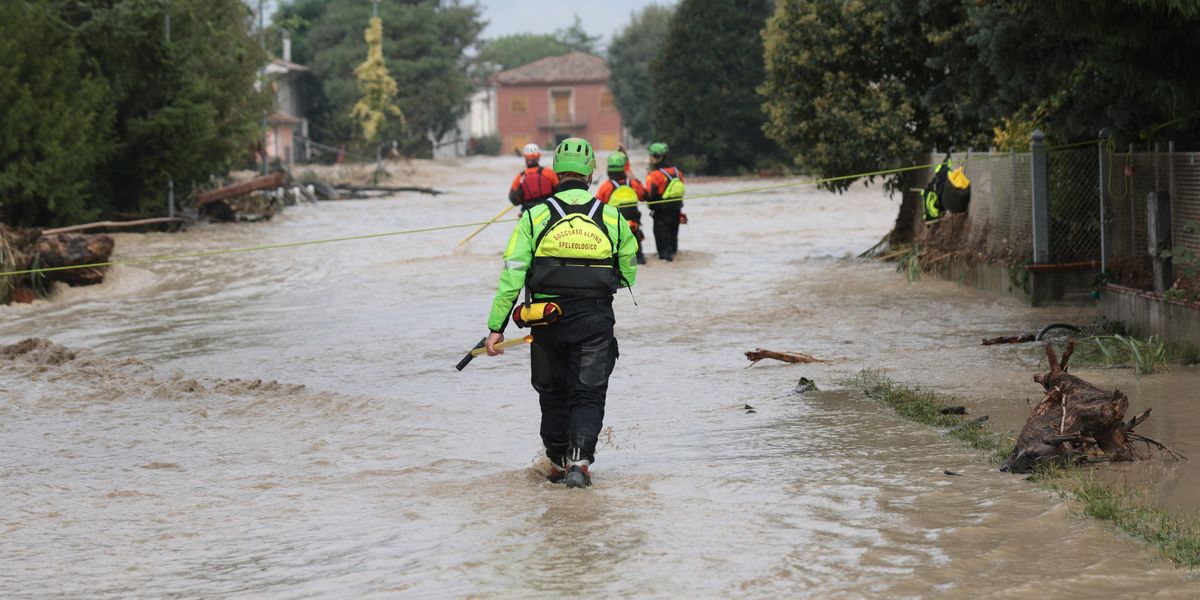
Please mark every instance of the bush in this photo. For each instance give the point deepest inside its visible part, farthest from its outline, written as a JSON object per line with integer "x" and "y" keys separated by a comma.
{"x": 488, "y": 145}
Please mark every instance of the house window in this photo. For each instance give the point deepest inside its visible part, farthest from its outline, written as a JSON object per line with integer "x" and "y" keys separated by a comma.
{"x": 609, "y": 141}
{"x": 607, "y": 103}
{"x": 519, "y": 141}
{"x": 519, "y": 104}
{"x": 560, "y": 103}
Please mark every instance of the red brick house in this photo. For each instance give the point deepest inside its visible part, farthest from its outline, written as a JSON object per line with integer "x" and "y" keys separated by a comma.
{"x": 554, "y": 98}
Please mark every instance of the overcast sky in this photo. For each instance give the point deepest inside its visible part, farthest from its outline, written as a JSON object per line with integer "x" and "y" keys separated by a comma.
{"x": 602, "y": 18}
{"x": 541, "y": 16}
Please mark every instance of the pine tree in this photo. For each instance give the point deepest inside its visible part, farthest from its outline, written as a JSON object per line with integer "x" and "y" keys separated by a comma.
{"x": 706, "y": 103}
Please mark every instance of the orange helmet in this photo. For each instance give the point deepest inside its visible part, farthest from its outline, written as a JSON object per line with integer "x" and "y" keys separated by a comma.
{"x": 532, "y": 151}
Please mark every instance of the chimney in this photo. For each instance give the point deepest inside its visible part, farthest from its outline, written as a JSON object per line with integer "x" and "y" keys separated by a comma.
{"x": 287, "y": 46}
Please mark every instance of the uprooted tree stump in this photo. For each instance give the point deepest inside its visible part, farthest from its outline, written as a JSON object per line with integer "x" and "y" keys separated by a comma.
{"x": 1076, "y": 420}
{"x": 23, "y": 249}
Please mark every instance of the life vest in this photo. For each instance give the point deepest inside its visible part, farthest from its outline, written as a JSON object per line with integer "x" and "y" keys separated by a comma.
{"x": 622, "y": 195}
{"x": 535, "y": 185}
{"x": 574, "y": 255}
{"x": 674, "y": 189}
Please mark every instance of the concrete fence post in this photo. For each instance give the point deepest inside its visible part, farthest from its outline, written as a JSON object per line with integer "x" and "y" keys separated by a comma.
{"x": 1041, "y": 198}
{"x": 1102, "y": 149}
{"x": 1158, "y": 225}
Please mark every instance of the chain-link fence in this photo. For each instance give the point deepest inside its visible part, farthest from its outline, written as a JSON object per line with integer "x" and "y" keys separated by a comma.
{"x": 1132, "y": 178}
{"x": 1073, "y": 180}
{"x": 1086, "y": 186}
{"x": 996, "y": 226}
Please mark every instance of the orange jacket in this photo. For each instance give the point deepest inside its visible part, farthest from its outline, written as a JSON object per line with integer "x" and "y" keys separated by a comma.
{"x": 532, "y": 184}
{"x": 606, "y": 189}
{"x": 656, "y": 182}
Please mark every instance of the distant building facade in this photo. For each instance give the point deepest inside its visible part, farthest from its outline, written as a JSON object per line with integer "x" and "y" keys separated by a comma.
{"x": 554, "y": 98}
{"x": 287, "y": 127}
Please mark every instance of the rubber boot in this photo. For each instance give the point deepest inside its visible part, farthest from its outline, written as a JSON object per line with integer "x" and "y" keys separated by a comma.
{"x": 577, "y": 474}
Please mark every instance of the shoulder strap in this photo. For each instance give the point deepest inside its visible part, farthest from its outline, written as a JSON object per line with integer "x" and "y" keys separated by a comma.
{"x": 667, "y": 175}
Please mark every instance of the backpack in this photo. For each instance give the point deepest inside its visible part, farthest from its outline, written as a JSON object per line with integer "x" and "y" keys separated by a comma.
{"x": 574, "y": 254}
{"x": 674, "y": 190}
{"x": 537, "y": 191}
{"x": 622, "y": 195}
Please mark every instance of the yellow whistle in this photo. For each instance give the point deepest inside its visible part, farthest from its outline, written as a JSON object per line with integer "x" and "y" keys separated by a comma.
{"x": 505, "y": 344}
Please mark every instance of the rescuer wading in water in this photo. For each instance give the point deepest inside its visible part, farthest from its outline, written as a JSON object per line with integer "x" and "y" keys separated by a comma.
{"x": 535, "y": 183}
{"x": 570, "y": 253}
{"x": 664, "y": 192}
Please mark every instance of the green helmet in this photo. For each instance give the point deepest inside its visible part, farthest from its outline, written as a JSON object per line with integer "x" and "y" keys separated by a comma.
{"x": 617, "y": 161}
{"x": 574, "y": 155}
{"x": 658, "y": 149}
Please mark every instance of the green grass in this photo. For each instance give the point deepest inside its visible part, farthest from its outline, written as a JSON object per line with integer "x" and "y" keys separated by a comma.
{"x": 1145, "y": 356}
{"x": 925, "y": 407}
{"x": 1177, "y": 537}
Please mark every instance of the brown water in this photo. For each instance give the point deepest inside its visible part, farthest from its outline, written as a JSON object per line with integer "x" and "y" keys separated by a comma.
{"x": 164, "y": 460}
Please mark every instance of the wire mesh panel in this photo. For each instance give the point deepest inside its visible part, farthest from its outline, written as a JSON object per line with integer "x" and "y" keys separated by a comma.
{"x": 1073, "y": 181}
{"x": 1133, "y": 175}
{"x": 997, "y": 224}
{"x": 1184, "y": 174}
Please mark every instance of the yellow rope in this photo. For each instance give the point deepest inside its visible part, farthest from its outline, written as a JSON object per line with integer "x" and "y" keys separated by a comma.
{"x": 484, "y": 224}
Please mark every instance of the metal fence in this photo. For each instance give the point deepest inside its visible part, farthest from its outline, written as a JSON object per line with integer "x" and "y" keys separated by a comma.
{"x": 1096, "y": 207}
{"x": 997, "y": 223}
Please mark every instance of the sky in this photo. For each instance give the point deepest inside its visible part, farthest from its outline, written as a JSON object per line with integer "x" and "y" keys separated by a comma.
{"x": 504, "y": 17}
{"x": 604, "y": 18}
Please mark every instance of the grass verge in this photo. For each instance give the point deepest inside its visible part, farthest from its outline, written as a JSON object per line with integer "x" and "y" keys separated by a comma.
{"x": 1176, "y": 537}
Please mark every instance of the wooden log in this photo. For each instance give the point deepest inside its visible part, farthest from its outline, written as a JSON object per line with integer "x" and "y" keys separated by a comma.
{"x": 114, "y": 225}
{"x": 264, "y": 182}
{"x": 1074, "y": 419}
{"x": 388, "y": 188}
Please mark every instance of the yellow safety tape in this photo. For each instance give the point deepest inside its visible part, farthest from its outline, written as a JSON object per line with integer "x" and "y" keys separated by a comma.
{"x": 817, "y": 181}
{"x": 169, "y": 257}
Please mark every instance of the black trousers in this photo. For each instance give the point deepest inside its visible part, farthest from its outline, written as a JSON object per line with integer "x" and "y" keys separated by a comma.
{"x": 571, "y": 362}
{"x": 631, "y": 213}
{"x": 666, "y": 228}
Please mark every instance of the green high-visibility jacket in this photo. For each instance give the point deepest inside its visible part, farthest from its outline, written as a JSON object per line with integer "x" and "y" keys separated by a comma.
{"x": 519, "y": 254}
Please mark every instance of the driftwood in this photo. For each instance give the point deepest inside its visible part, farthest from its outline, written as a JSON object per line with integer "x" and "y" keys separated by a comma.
{"x": 1075, "y": 420}
{"x": 265, "y": 182}
{"x": 115, "y": 225}
{"x": 787, "y": 357}
{"x": 387, "y": 188}
{"x": 1010, "y": 339}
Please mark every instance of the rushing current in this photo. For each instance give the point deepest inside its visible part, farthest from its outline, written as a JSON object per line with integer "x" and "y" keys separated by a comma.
{"x": 288, "y": 423}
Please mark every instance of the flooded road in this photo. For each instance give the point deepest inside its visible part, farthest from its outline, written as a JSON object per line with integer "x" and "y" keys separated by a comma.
{"x": 288, "y": 424}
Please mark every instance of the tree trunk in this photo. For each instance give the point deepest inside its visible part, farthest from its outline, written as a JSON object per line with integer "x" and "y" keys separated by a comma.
{"x": 909, "y": 218}
{"x": 1074, "y": 419}
{"x": 69, "y": 249}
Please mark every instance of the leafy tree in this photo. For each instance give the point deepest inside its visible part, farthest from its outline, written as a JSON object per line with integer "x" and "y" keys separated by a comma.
{"x": 55, "y": 127}
{"x": 705, "y": 102}
{"x": 378, "y": 89}
{"x": 183, "y": 109}
{"x": 423, "y": 46}
{"x": 629, "y": 58}
{"x": 854, "y": 87}
{"x": 1075, "y": 68}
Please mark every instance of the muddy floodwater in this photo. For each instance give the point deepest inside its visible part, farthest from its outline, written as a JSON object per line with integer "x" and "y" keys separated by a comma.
{"x": 288, "y": 424}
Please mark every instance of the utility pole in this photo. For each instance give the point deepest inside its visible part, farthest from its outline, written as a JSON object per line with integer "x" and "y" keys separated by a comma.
{"x": 262, "y": 42}
{"x": 375, "y": 9}
{"x": 170, "y": 179}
